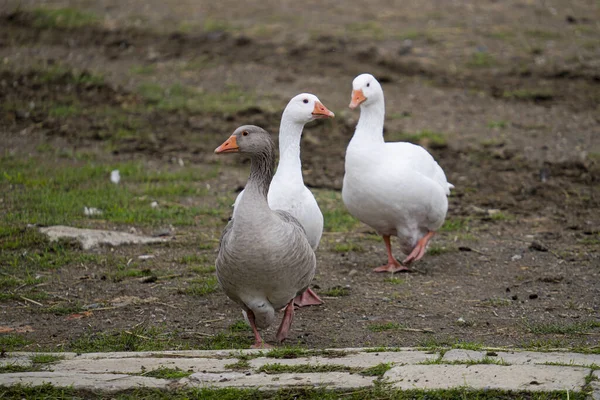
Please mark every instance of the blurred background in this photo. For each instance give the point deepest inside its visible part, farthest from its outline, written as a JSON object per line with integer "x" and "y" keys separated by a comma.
{"x": 504, "y": 94}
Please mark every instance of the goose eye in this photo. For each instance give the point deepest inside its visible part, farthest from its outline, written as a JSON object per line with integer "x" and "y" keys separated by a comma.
{"x": 305, "y": 101}
{"x": 245, "y": 133}
{"x": 368, "y": 84}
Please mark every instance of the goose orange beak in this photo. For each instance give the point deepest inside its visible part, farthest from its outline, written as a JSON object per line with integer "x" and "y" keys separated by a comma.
{"x": 357, "y": 98}
{"x": 228, "y": 146}
{"x": 320, "y": 111}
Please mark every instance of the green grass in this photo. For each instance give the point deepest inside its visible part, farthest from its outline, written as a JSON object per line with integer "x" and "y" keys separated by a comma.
{"x": 46, "y": 358}
{"x": 336, "y": 217}
{"x": 561, "y": 328}
{"x": 454, "y": 224}
{"x": 240, "y": 326}
{"x": 277, "y": 368}
{"x": 224, "y": 341}
{"x": 386, "y": 326}
{"x": 543, "y": 35}
{"x": 179, "y": 97}
{"x": 395, "y": 281}
{"x": 148, "y": 69}
{"x": 481, "y": 60}
{"x": 202, "y": 286}
{"x": 435, "y": 250}
{"x": 138, "y": 338}
{"x": 167, "y": 373}
{"x": 500, "y": 124}
{"x": 377, "y": 370}
{"x": 337, "y": 291}
{"x": 425, "y": 137}
{"x": 240, "y": 365}
{"x": 13, "y": 342}
{"x": 287, "y": 352}
{"x": 64, "y": 309}
{"x": 62, "y": 18}
{"x": 218, "y": 25}
{"x": 64, "y": 111}
{"x": 377, "y": 392}
{"x": 496, "y": 302}
{"x": 14, "y": 368}
{"x": 34, "y": 196}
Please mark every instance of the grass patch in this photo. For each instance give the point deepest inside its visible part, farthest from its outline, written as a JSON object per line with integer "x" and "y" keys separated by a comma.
{"x": 277, "y": 368}
{"x": 347, "y": 247}
{"x": 167, "y": 373}
{"x": 148, "y": 69}
{"x": 139, "y": 338}
{"x": 222, "y": 341}
{"x": 202, "y": 286}
{"x": 62, "y": 18}
{"x": 395, "y": 281}
{"x": 287, "y": 352}
{"x": 240, "y": 365}
{"x": 425, "y": 138}
{"x": 337, "y": 291}
{"x": 64, "y": 111}
{"x": 481, "y": 60}
{"x": 46, "y": 358}
{"x": 14, "y": 368}
{"x": 387, "y": 326}
{"x": 377, "y": 392}
{"x": 435, "y": 250}
{"x": 218, "y": 25}
{"x": 377, "y": 370}
{"x": 240, "y": 326}
{"x": 179, "y": 97}
{"x": 34, "y": 196}
{"x": 496, "y": 302}
{"x": 13, "y": 342}
{"x": 543, "y": 35}
{"x": 454, "y": 224}
{"x": 336, "y": 217}
{"x": 484, "y": 360}
{"x": 558, "y": 328}
{"x": 500, "y": 124}
{"x": 64, "y": 309}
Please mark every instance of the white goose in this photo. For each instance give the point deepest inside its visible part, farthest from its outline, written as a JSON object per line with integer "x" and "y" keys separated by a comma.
{"x": 287, "y": 191}
{"x": 396, "y": 188}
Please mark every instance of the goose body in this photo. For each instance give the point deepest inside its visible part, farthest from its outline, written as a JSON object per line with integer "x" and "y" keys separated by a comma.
{"x": 264, "y": 259}
{"x": 287, "y": 191}
{"x": 396, "y": 188}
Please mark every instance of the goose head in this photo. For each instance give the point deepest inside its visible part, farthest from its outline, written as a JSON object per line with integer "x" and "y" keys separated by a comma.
{"x": 248, "y": 139}
{"x": 365, "y": 91}
{"x": 306, "y": 107}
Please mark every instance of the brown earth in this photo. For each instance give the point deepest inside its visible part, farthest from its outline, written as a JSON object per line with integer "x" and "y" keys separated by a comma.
{"x": 512, "y": 87}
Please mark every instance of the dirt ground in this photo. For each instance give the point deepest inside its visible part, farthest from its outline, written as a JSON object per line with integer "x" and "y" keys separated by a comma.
{"x": 505, "y": 95}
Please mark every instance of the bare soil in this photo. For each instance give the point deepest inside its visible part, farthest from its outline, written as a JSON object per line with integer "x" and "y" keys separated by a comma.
{"x": 521, "y": 144}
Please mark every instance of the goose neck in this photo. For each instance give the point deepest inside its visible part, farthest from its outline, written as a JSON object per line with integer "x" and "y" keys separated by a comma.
{"x": 370, "y": 123}
{"x": 290, "y": 165}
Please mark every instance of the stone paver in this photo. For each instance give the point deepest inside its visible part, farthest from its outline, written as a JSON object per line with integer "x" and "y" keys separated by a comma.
{"x": 138, "y": 365}
{"x": 488, "y": 376}
{"x": 90, "y": 238}
{"x": 100, "y": 382}
{"x": 524, "y": 357}
{"x": 363, "y": 360}
{"x": 337, "y": 380}
{"x": 112, "y": 372}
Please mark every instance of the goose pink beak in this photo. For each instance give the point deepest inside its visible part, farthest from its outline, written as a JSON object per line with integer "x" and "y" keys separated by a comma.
{"x": 320, "y": 111}
{"x": 228, "y": 146}
{"x": 357, "y": 98}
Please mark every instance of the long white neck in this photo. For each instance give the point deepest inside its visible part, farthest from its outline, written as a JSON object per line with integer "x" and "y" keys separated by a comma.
{"x": 290, "y": 166}
{"x": 369, "y": 129}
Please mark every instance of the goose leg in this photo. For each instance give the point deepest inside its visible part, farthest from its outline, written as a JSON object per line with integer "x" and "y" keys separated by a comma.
{"x": 419, "y": 250}
{"x": 308, "y": 298}
{"x": 393, "y": 265}
{"x": 286, "y": 322}
{"x": 258, "y": 342}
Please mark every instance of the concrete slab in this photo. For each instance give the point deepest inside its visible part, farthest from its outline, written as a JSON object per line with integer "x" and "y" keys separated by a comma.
{"x": 524, "y": 357}
{"x": 488, "y": 376}
{"x": 337, "y": 380}
{"x": 140, "y": 364}
{"x": 359, "y": 360}
{"x": 96, "y": 382}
